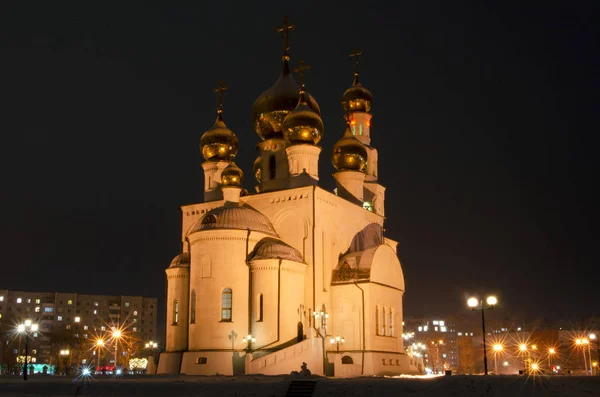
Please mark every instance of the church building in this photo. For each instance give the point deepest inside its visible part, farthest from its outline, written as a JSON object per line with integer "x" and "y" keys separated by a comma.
{"x": 291, "y": 273}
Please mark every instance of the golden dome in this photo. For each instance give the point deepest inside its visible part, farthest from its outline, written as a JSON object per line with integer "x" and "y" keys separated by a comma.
{"x": 303, "y": 125}
{"x": 357, "y": 98}
{"x": 232, "y": 175}
{"x": 273, "y": 105}
{"x": 349, "y": 154}
{"x": 258, "y": 169}
{"x": 219, "y": 143}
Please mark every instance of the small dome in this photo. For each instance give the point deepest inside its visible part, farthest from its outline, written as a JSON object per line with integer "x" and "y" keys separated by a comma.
{"x": 181, "y": 260}
{"x": 272, "y": 248}
{"x": 357, "y": 98}
{"x": 219, "y": 143}
{"x": 349, "y": 154}
{"x": 232, "y": 175}
{"x": 303, "y": 125}
{"x": 258, "y": 169}
{"x": 235, "y": 217}
{"x": 273, "y": 105}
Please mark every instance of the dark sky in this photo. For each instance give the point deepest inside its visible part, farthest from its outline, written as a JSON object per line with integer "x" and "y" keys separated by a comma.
{"x": 483, "y": 115}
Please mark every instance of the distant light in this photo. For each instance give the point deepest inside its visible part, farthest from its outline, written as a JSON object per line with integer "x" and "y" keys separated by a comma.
{"x": 498, "y": 347}
{"x": 473, "y": 302}
{"x": 592, "y": 336}
{"x": 551, "y": 350}
{"x": 28, "y": 323}
{"x": 86, "y": 372}
{"x": 34, "y": 327}
{"x": 118, "y": 371}
{"x": 491, "y": 300}
{"x": 21, "y": 328}
{"x": 522, "y": 347}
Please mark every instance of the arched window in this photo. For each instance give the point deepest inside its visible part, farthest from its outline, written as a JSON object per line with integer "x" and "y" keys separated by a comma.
{"x": 175, "y": 312}
{"x": 347, "y": 360}
{"x": 226, "y": 304}
{"x": 272, "y": 167}
{"x": 376, "y": 320}
{"x": 193, "y": 307}
{"x": 382, "y": 321}
{"x": 260, "y": 307}
{"x": 391, "y": 322}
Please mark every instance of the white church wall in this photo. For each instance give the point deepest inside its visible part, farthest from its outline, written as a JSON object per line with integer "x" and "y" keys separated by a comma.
{"x": 177, "y": 308}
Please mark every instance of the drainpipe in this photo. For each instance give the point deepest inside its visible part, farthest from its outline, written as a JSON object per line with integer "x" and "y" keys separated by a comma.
{"x": 362, "y": 366}
{"x": 250, "y": 296}
{"x": 314, "y": 263}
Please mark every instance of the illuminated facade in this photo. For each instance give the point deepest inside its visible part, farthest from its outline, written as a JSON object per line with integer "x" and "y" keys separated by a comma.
{"x": 267, "y": 281}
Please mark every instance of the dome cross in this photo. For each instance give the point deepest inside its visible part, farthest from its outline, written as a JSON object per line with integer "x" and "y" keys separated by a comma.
{"x": 300, "y": 70}
{"x": 219, "y": 91}
{"x": 355, "y": 55}
{"x": 285, "y": 30}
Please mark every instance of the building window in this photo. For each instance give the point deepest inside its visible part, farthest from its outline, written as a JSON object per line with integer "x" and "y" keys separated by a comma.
{"x": 95, "y": 303}
{"x": 19, "y": 300}
{"x": 85, "y": 327}
{"x": 103, "y": 328}
{"x": 226, "y": 296}
{"x": 37, "y": 301}
{"x": 48, "y": 309}
{"x": 272, "y": 167}
{"x": 134, "y": 329}
{"x": 193, "y": 307}
{"x": 175, "y": 312}
{"x": 347, "y": 360}
{"x": 376, "y": 320}
{"x": 59, "y": 318}
{"x": 1, "y": 298}
{"x": 135, "y": 313}
{"x": 383, "y": 321}
{"x": 126, "y": 304}
{"x": 77, "y": 319}
{"x": 260, "y": 307}
{"x": 68, "y": 326}
{"x": 95, "y": 311}
{"x": 37, "y": 309}
{"x": 391, "y": 322}
{"x": 201, "y": 360}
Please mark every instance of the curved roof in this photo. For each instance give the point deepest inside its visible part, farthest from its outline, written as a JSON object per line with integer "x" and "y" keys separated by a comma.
{"x": 181, "y": 260}
{"x": 272, "y": 248}
{"x": 234, "y": 217}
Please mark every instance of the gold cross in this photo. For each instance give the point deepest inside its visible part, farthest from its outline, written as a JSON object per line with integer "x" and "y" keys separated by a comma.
{"x": 355, "y": 54}
{"x": 219, "y": 90}
{"x": 287, "y": 26}
{"x": 300, "y": 69}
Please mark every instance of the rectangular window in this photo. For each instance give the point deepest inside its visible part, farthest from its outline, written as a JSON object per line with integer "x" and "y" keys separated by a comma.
{"x": 77, "y": 319}
{"x": 68, "y": 326}
{"x": 37, "y": 301}
{"x": 1, "y": 298}
{"x": 19, "y": 300}
{"x": 383, "y": 321}
{"x": 69, "y": 302}
{"x": 226, "y": 303}
{"x": 48, "y": 309}
{"x": 59, "y": 318}
{"x": 126, "y": 304}
{"x": 85, "y": 327}
{"x": 391, "y": 323}
{"x": 175, "y": 312}
{"x": 95, "y": 303}
{"x": 37, "y": 310}
{"x": 201, "y": 360}
{"x": 95, "y": 311}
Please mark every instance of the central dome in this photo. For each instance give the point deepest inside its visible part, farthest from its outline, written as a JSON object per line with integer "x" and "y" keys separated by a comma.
{"x": 271, "y": 107}
{"x": 234, "y": 217}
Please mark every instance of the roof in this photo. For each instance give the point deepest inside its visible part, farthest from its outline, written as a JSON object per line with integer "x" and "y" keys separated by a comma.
{"x": 272, "y": 248}
{"x": 237, "y": 217}
{"x": 354, "y": 266}
{"x": 181, "y": 260}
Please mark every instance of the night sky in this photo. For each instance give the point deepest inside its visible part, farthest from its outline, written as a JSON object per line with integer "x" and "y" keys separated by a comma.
{"x": 483, "y": 115}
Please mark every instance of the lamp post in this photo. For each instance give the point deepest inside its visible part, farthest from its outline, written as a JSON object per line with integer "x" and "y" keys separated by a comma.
{"x": 116, "y": 334}
{"x": 595, "y": 339}
{"x": 498, "y": 348}
{"x": 152, "y": 345}
{"x": 65, "y": 354}
{"x": 581, "y": 342}
{"x": 26, "y": 328}
{"x": 551, "y": 352}
{"x": 323, "y": 315}
{"x": 336, "y": 341}
{"x": 476, "y": 304}
{"x": 99, "y": 346}
{"x": 249, "y": 339}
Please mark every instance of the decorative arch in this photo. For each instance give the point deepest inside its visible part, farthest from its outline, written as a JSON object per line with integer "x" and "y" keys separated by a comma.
{"x": 347, "y": 360}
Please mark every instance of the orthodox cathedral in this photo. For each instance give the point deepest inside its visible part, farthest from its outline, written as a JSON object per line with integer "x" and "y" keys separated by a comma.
{"x": 292, "y": 274}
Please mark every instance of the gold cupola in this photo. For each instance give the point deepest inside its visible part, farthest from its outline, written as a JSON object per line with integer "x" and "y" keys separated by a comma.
{"x": 357, "y": 98}
{"x": 303, "y": 124}
{"x": 232, "y": 175}
{"x": 349, "y": 154}
{"x": 258, "y": 169}
{"x": 219, "y": 143}
{"x": 273, "y": 105}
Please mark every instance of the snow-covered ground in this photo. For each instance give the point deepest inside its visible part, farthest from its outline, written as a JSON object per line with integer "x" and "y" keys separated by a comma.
{"x": 256, "y": 385}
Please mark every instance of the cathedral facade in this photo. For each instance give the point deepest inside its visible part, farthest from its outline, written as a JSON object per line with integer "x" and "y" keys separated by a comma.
{"x": 293, "y": 273}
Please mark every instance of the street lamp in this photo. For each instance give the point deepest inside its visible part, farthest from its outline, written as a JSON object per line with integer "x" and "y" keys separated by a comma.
{"x": 116, "y": 334}
{"x": 594, "y": 338}
{"x": 551, "y": 352}
{"x": 336, "y": 341}
{"x": 498, "y": 348}
{"x": 99, "y": 346}
{"x": 476, "y": 304}
{"x": 26, "y": 328}
{"x": 152, "y": 345}
{"x": 324, "y": 316}
{"x": 249, "y": 339}
{"x": 65, "y": 354}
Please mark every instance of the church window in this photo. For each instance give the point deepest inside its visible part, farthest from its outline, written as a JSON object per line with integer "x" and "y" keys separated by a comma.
{"x": 260, "y": 307}
{"x": 347, "y": 360}
{"x": 368, "y": 206}
{"x": 208, "y": 219}
{"x": 272, "y": 167}
{"x": 226, "y": 304}
{"x": 360, "y": 129}
{"x": 175, "y": 312}
{"x": 391, "y": 322}
{"x": 382, "y": 321}
{"x": 376, "y": 320}
{"x": 201, "y": 360}
{"x": 193, "y": 308}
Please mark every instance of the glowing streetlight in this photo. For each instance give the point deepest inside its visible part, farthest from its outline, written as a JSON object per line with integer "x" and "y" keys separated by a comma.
{"x": 594, "y": 338}
{"x": 551, "y": 352}
{"x": 65, "y": 354}
{"x": 476, "y": 304}
{"x": 249, "y": 339}
{"x": 26, "y": 328}
{"x": 116, "y": 334}
{"x": 336, "y": 341}
{"x": 498, "y": 348}
{"x": 99, "y": 346}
